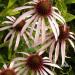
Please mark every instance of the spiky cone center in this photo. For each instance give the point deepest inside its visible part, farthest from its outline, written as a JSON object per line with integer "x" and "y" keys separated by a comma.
{"x": 19, "y": 26}
{"x": 64, "y": 32}
{"x": 34, "y": 62}
{"x": 43, "y": 8}
{"x": 8, "y": 72}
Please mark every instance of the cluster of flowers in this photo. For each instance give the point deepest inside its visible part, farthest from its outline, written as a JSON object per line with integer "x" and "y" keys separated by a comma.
{"x": 36, "y": 23}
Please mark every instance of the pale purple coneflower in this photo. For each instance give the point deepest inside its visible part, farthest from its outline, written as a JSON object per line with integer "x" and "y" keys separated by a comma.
{"x": 8, "y": 70}
{"x": 64, "y": 37}
{"x": 40, "y": 11}
{"x": 34, "y": 63}
{"x": 15, "y": 31}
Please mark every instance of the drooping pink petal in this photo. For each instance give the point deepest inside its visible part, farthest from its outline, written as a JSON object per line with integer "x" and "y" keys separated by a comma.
{"x": 10, "y": 18}
{"x": 23, "y": 7}
{"x": 60, "y": 18}
{"x": 27, "y": 24}
{"x": 63, "y": 45}
{"x": 56, "y": 52}
{"x": 5, "y": 28}
{"x": 37, "y": 32}
{"x": 11, "y": 39}
{"x": 46, "y": 69}
{"x": 23, "y": 16}
{"x": 33, "y": 25}
{"x": 56, "y": 25}
{"x": 26, "y": 40}
{"x": 8, "y": 35}
{"x": 17, "y": 41}
{"x": 43, "y": 30}
{"x": 51, "y": 50}
{"x": 53, "y": 28}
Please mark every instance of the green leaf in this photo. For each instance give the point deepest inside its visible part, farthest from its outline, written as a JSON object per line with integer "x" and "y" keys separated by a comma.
{"x": 69, "y": 17}
{"x": 9, "y": 12}
{"x": 61, "y": 6}
{"x": 1, "y": 59}
{"x": 69, "y": 1}
{"x": 4, "y": 44}
{"x": 10, "y": 3}
{"x": 12, "y": 12}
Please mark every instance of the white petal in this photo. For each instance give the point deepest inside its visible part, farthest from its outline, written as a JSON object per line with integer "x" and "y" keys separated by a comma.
{"x": 30, "y": 2}
{"x": 46, "y": 61}
{"x": 33, "y": 25}
{"x": 54, "y": 8}
{"x": 46, "y": 69}
{"x": 63, "y": 46}
{"x": 65, "y": 64}
{"x": 35, "y": 0}
{"x": 38, "y": 43}
{"x": 10, "y": 18}
{"x": 30, "y": 36}
{"x": 44, "y": 72}
{"x": 23, "y": 16}
{"x": 37, "y": 73}
{"x": 18, "y": 64}
{"x": 46, "y": 58}
{"x": 13, "y": 18}
{"x": 51, "y": 50}
{"x": 53, "y": 65}
{"x": 72, "y": 37}
{"x": 72, "y": 33}
{"x": 8, "y": 35}
{"x": 43, "y": 30}
{"x": 26, "y": 72}
{"x": 40, "y": 71}
{"x": 4, "y": 28}
{"x": 32, "y": 73}
{"x": 27, "y": 23}
{"x": 23, "y": 7}
{"x": 18, "y": 69}
{"x": 21, "y": 71}
{"x": 37, "y": 31}
{"x": 53, "y": 28}
{"x": 19, "y": 59}
{"x": 41, "y": 52}
{"x": 17, "y": 41}
{"x": 59, "y": 17}
{"x": 11, "y": 65}
{"x": 26, "y": 40}
{"x": 11, "y": 40}
{"x": 7, "y": 22}
{"x": 5, "y": 66}
{"x": 56, "y": 25}
{"x": 56, "y": 52}
{"x": 24, "y": 53}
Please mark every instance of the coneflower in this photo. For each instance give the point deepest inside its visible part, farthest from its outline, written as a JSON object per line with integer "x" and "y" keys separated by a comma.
{"x": 15, "y": 31}
{"x": 9, "y": 70}
{"x": 40, "y": 12}
{"x": 34, "y": 63}
{"x": 64, "y": 37}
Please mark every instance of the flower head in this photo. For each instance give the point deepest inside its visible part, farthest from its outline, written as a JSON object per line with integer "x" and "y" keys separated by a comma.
{"x": 9, "y": 70}
{"x": 34, "y": 63}
{"x": 39, "y": 11}
{"x": 64, "y": 37}
{"x": 15, "y": 31}
{"x": 43, "y": 8}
